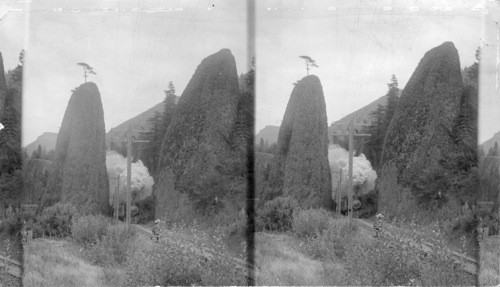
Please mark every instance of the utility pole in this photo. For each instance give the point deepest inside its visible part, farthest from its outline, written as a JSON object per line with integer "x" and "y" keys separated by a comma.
{"x": 349, "y": 182}
{"x": 351, "y": 135}
{"x": 129, "y": 173}
{"x": 129, "y": 139}
{"x": 116, "y": 199}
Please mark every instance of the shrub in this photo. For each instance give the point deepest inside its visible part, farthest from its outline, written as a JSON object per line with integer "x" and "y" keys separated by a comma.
{"x": 12, "y": 225}
{"x": 55, "y": 221}
{"x": 332, "y": 242}
{"x": 112, "y": 248}
{"x": 179, "y": 261}
{"x": 393, "y": 261}
{"x": 89, "y": 228}
{"x": 310, "y": 222}
{"x": 277, "y": 214}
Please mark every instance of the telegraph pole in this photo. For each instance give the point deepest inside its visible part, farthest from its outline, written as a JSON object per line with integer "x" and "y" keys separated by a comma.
{"x": 129, "y": 173}
{"x": 117, "y": 200}
{"x": 129, "y": 139}
{"x": 349, "y": 182}
{"x": 351, "y": 135}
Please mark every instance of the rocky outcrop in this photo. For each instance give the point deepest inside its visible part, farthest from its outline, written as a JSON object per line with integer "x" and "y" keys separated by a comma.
{"x": 198, "y": 147}
{"x": 425, "y": 141}
{"x": 80, "y": 154}
{"x": 300, "y": 168}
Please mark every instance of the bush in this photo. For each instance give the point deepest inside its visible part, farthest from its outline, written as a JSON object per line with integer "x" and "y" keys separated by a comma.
{"x": 310, "y": 222}
{"x": 332, "y": 242}
{"x": 178, "y": 261}
{"x": 55, "y": 221}
{"x": 112, "y": 248}
{"x": 277, "y": 214}
{"x": 89, "y": 228}
{"x": 392, "y": 261}
{"x": 12, "y": 225}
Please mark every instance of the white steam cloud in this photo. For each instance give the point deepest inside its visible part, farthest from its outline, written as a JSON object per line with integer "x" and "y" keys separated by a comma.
{"x": 363, "y": 175}
{"x": 141, "y": 180}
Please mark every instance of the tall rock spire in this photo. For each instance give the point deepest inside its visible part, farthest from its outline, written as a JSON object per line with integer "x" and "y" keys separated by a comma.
{"x": 420, "y": 146}
{"x": 197, "y": 146}
{"x": 80, "y": 153}
{"x": 300, "y": 168}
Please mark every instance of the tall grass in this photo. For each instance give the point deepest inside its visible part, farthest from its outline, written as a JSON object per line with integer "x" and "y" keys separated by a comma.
{"x": 489, "y": 267}
{"x": 52, "y": 263}
{"x": 177, "y": 260}
{"x": 388, "y": 260}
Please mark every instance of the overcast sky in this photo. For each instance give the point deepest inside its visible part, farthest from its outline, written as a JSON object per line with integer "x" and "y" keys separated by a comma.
{"x": 138, "y": 48}
{"x": 135, "y": 52}
{"x": 358, "y": 45}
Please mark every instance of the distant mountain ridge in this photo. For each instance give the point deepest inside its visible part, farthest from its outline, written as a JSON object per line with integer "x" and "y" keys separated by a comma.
{"x": 47, "y": 140}
{"x": 491, "y": 142}
{"x": 269, "y": 134}
{"x": 362, "y": 115}
{"x": 139, "y": 122}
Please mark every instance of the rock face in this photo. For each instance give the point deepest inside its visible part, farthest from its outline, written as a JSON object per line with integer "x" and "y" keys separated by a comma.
{"x": 300, "y": 168}
{"x": 80, "y": 154}
{"x": 197, "y": 147}
{"x": 422, "y": 137}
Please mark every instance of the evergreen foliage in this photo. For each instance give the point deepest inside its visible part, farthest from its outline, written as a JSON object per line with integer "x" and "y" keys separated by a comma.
{"x": 158, "y": 125}
{"x": 206, "y": 144}
{"x": 300, "y": 168}
{"x": 10, "y": 135}
{"x": 431, "y": 140}
{"x": 373, "y": 145}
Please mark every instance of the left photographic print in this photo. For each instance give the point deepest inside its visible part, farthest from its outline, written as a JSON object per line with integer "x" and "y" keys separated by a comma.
{"x": 13, "y": 26}
{"x": 131, "y": 168}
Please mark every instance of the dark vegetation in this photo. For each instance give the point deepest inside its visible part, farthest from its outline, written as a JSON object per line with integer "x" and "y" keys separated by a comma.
{"x": 80, "y": 175}
{"x": 372, "y": 147}
{"x": 211, "y": 125}
{"x": 300, "y": 167}
{"x": 431, "y": 141}
{"x": 10, "y": 136}
{"x": 276, "y": 214}
{"x": 158, "y": 127}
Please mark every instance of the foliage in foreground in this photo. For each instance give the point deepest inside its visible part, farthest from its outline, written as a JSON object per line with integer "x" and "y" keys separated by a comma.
{"x": 55, "y": 221}
{"x": 387, "y": 260}
{"x": 489, "y": 269}
{"x": 177, "y": 261}
{"x": 105, "y": 244}
{"x": 50, "y": 262}
{"x": 277, "y": 214}
{"x": 310, "y": 222}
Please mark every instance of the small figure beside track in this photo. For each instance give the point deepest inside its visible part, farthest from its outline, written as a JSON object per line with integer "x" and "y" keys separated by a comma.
{"x": 156, "y": 230}
{"x": 377, "y": 226}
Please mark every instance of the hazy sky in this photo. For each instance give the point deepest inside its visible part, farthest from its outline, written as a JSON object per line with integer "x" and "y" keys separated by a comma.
{"x": 135, "y": 52}
{"x": 138, "y": 48}
{"x": 358, "y": 45}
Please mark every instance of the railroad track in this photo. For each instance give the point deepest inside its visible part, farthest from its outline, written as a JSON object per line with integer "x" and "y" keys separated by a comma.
{"x": 467, "y": 263}
{"x": 14, "y": 268}
{"x": 208, "y": 254}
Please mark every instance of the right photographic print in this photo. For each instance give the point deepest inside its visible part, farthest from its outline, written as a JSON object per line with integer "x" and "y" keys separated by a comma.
{"x": 376, "y": 149}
